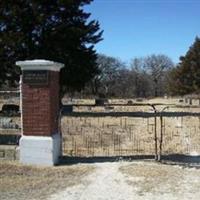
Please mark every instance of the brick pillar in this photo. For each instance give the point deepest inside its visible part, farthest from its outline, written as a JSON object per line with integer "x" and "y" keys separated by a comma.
{"x": 41, "y": 141}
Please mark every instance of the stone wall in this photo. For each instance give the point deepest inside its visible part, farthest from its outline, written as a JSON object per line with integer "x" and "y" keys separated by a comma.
{"x": 123, "y": 136}
{"x": 9, "y": 152}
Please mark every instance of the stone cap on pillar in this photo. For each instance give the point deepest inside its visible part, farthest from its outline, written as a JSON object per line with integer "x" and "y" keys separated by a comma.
{"x": 39, "y": 64}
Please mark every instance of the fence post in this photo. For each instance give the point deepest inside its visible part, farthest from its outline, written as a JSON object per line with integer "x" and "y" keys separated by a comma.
{"x": 161, "y": 137}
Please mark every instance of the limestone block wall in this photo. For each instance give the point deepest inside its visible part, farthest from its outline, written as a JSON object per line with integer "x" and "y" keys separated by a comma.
{"x": 122, "y": 136}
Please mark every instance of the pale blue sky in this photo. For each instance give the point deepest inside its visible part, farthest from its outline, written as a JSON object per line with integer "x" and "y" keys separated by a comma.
{"x": 135, "y": 28}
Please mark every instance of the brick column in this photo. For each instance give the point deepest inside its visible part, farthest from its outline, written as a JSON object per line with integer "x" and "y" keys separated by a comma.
{"x": 41, "y": 141}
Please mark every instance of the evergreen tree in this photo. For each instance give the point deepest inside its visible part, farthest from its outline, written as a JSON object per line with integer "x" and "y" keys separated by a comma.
{"x": 186, "y": 77}
{"x": 57, "y": 30}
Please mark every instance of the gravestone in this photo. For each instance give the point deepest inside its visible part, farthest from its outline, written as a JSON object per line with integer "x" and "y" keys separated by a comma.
{"x": 40, "y": 143}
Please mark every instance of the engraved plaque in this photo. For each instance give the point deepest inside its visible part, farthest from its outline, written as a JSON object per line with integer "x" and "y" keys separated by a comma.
{"x": 36, "y": 77}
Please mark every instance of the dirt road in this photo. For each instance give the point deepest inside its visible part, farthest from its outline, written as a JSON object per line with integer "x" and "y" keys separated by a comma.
{"x": 105, "y": 184}
{"x": 135, "y": 181}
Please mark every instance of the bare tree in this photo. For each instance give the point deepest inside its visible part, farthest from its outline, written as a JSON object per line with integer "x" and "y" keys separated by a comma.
{"x": 157, "y": 66}
{"x": 108, "y": 73}
{"x": 141, "y": 79}
{"x": 124, "y": 84}
{"x": 145, "y": 77}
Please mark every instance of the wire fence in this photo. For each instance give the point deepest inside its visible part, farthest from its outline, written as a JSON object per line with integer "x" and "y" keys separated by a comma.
{"x": 131, "y": 135}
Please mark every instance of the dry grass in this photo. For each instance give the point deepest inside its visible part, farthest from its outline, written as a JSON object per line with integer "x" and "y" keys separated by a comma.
{"x": 25, "y": 182}
{"x": 162, "y": 179}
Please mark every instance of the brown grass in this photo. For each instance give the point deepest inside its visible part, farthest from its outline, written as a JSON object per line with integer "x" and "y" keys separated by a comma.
{"x": 158, "y": 178}
{"x": 25, "y": 182}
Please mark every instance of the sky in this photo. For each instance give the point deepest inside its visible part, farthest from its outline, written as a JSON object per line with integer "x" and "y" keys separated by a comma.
{"x": 137, "y": 28}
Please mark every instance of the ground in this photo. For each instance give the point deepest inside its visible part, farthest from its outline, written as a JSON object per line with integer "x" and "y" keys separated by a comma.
{"x": 20, "y": 182}
{"x": 140, "y": 180}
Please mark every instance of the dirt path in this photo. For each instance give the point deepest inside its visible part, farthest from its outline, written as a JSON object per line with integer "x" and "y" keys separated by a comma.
{"x": 107, "y": 183}
{"x": 120, "y": 181}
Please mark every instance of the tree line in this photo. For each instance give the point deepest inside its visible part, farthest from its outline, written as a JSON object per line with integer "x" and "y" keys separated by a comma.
{"x": 62, "y": 31}
{"x": 150, "y": 76}
{"x": 144, "y": 77}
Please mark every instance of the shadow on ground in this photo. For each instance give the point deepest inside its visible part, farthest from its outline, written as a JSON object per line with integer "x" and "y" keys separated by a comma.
{"x": 181, "y": 159}
{"x": 67, "y": 160}
{"x": 172, "y": 159}
{"x": 130, "y": 114}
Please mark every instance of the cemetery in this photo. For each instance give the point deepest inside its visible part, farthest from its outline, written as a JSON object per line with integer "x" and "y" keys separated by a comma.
{"x": 99, "y": 100}
{"x": 118, "y": 136}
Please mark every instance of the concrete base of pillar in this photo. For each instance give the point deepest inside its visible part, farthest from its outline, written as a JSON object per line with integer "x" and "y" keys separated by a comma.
{"x": 39, "y": 150}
